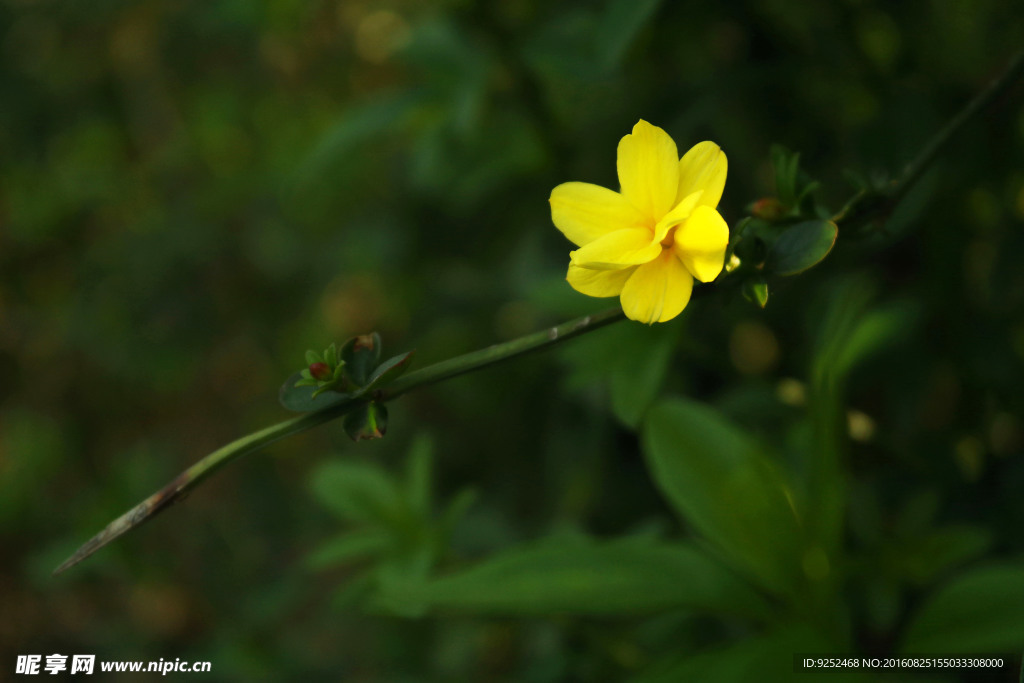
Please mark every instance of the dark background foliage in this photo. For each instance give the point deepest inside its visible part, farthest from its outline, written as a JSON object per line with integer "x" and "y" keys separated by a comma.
{"x": 192, "y": 194}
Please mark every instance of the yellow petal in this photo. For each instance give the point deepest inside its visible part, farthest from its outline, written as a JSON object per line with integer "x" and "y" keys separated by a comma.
{"x": 584, "y": 212}
{"x": 700, "y": 243}
{"x": 677, "y": 215}
{"x": 617, "y": 250}
{"x": 657, "y": 291}
{"x": 649, "y": 170}
{"x": 598, "y": 282}
{"x": 703, "y": 168}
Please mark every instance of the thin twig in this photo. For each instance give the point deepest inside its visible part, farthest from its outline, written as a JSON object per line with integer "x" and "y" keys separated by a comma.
{"x": 916, "y": 168}
{"x": 181, "y": 485}
{"x": 868, "y": 205}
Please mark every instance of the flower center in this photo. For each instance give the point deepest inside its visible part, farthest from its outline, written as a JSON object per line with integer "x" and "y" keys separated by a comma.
{"x": 669, "y": 237}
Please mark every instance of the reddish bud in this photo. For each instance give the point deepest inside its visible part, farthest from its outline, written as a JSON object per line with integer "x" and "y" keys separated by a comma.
{"x": 768, "y": 209}
{"x": 320, "y": 371}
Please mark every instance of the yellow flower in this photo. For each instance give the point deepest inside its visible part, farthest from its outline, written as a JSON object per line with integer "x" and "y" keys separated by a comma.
{"x": 646, "y": 243}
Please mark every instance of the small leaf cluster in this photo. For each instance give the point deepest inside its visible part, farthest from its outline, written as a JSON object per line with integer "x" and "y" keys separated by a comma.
{"x": 794, "y": 189}
{"x": 326, "y": 371}
{"x": 353, "y": 374}
{"x": 783, "y": 235}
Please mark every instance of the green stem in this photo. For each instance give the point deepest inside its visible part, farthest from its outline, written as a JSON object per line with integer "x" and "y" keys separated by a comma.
{"x": 475, "y": 360}
{"x": 193, "y": 476}
{"x": 916, "y": 168}
{"x": 869, "y": 205}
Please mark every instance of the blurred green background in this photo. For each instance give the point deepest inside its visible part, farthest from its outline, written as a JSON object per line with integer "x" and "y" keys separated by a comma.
{"x": 193, "y": 194}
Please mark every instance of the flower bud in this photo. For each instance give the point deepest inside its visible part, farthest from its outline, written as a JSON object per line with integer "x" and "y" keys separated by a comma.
{"x": 768, "y": 209}
{"x": 320, "y": 371}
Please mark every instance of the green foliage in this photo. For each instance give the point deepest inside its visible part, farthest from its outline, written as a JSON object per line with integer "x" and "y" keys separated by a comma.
{"x": 392, "y": 523}
{"x": 792, "y": 186}
{"x": 368, "y": 420}
{"x": 361, "y": 356}
{"x": 349, "y": 375}
{"x": 298, "y": 395}
{"x": 584, "y": 577}
{"x": 619, "y": 25}
{"x": 719, "y": 480}
{"x": 755, "y": 658}
{"x": 387, "y": 372}
{"x": 801, "y": 246}
{"x": 755, "y": 290}
{"x": 988, "y": 600}
{"x": 193, "y": 193}
{"x": 641, "y": 361}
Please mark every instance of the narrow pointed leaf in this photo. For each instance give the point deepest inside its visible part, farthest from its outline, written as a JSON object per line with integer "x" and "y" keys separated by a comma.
{"x": 357, "y": 493}
{"x": 623, "y": 577}
{"x": 387, "y": 372}
{"x": 621, "y": 22}
{"x": 456, "y": 509}
{"x": 331, "y": 355}
{"x": 349, "y": 547}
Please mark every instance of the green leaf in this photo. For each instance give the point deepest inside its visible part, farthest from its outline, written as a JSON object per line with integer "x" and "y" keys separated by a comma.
{"x": 873, "y": 332}
{"x": 981, "y": 611}
{"x": 456, "y": 510}
{"x": 720, "y": 481}
{"x": 922, "y": 557}
{"x": 366, "y": 421}
{"x": 621, "y": 577}
{"x": 356, "y": 492}
{"x": 349, "y": 547}
{"x": 755, "y": 290}
{"x": 787, "y": 169}
{"x": 353, "y": 593}
{"x": 362, "y": 356}
{"x": 638, "y": 371}
{"x": 850, "y": 332}
{"x": 387, "y": 372}
{"x": 748, "y": 244}
{"x": 801, "y": 246}
{"x": 300, "y": 398}
{"x": 619, "y": 26}
{"x": 357, "y": 126}
{"x": 331, "y": 355}
{"x": 419, "y": 471}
